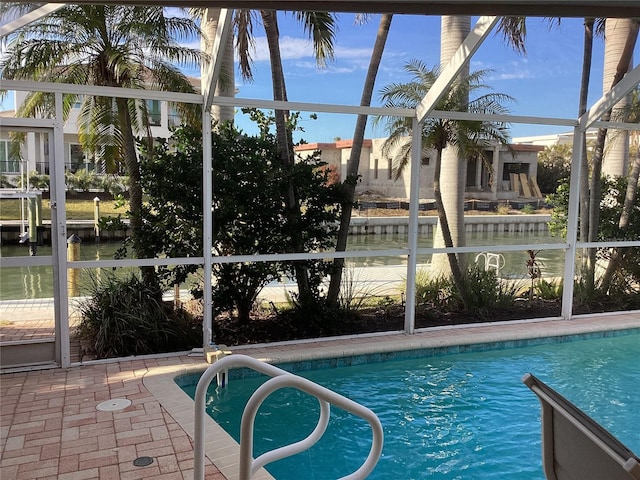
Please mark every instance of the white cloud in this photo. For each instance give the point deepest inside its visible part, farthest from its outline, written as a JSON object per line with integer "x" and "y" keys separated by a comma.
{"x": 519, "y": 75}
{"x": 292, "y": 48}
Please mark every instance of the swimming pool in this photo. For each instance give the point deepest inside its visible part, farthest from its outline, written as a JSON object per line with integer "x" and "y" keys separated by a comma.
{"x": 455, "y": 416}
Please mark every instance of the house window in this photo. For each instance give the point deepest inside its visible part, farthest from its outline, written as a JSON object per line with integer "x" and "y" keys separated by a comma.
{"x": 175, "y": 120}
{"x": 425, "y": 161}
{"x": 76, "y": 157}
{"x": 375, "y": 169}
{"x": 389, "y": 169}
{"x": 153, "y": 110}
{"x": 9, "y": 160}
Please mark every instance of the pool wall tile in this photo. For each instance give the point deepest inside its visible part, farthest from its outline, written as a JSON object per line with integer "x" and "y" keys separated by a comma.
{"x": 347, "y": 360}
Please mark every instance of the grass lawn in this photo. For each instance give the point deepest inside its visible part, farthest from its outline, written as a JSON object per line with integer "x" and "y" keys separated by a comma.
{"x": 76, "y": 209}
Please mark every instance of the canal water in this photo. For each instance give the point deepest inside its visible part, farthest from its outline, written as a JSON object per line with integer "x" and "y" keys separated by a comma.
{"x": 37, "y": 282}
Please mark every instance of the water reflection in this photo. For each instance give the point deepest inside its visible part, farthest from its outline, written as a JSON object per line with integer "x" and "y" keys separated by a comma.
{"x": 37, "y": 282}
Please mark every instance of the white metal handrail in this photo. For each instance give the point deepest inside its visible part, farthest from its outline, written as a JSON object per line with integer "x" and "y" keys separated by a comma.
{"x": 281, "y": 379}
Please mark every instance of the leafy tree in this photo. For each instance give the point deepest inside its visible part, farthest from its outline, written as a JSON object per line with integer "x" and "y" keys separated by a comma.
{"x": 320, "y": 26}
{"x": 249, "y": 212}
{"x": 625, "y": 270}
{"x": 554, "y": 167}
{"x": 171, "y": 179}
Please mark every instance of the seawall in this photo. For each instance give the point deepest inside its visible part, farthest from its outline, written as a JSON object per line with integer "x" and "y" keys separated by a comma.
{"x": 9, "y": 231}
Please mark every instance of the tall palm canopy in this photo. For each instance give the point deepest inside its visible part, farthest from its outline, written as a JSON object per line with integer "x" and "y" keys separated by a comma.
{"x": 470, "y": 136}
{"x": 104, "y": 45}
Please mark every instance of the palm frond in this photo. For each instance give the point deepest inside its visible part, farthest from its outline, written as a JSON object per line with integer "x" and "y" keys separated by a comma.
{"x": 470, "y": 137}
{"x": 243, "y": 21}
{"x": 321, "y": 29}
{"x": 514, "y": 32}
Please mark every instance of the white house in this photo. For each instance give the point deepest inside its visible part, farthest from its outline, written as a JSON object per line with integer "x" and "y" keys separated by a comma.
{"x": 377, "y": 175}
{"x": 488, "y": 179}
{"x": 34, "y": 155}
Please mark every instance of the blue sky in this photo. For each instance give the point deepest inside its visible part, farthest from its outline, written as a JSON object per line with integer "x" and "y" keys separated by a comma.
{"x": 545, "y": 82}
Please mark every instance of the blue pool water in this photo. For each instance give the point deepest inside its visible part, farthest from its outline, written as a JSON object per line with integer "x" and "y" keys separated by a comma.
{"x": 452, "y": 416}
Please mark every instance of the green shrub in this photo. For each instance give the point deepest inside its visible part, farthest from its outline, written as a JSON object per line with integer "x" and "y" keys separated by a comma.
{"x": 433, "y": 291}
{"x": 82, "y": 180}
{"x": 528, "y": 209}
{"x": 36, "y": 180}
{"x": 503, "y": 209}
{"x": 5, "y": 182}
{"x": 113, "y": 184}
{"x": 122, "y": 317}
{"x": 549, "y": 290}
{"x": 487, "y": 292}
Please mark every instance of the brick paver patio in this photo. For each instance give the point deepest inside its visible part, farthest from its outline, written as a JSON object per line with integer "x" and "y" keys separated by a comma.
{"x": 50, "y": 427}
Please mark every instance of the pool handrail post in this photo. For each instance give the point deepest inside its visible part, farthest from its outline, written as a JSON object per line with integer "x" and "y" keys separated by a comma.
{"x": 289, "y": 379}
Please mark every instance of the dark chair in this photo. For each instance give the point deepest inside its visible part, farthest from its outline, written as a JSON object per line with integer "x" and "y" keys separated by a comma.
{"x": 574, "y": 446}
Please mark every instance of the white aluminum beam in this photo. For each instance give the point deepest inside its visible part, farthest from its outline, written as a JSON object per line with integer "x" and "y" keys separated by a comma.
{"x": 455, "y": 65}
{"x": 485, "y": 117}
{"x": 59, "y": 241}
{"x": 28, "y": 18}
{"x": 312, "y": 107}
{"x": 616, "y": 125}
{"x": 572, "y": 223}
{"x": 217, "y": 55}
{"x": 26, "y": 124}
{"x": 609, "y": 99}
{"x": 54, "y": 87}
{"x": 414, "y": 199}
{"x": 207, "y": 227}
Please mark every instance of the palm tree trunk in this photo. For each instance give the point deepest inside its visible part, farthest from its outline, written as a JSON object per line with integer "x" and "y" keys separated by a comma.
{"x": 285, "y": 150}
{"x": 454, "y": 30}
{"x": 349, "y": 183}
{"x": 135, "y": 191}
{"x": 595, "y": 191}
{"x": 587, "y": 58}
{"x": 225, "y": 86}
{"x": 443, "y": 223}
{"x": 617, "y": 32}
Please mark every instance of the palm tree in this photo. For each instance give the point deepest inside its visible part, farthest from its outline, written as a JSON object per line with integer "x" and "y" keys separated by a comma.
{"x": 470, "y": 138}
{"x": 616, "y": 32}
{"x": 353, "y": 164}
{"x": 622, "y": 60}
{"x": 453, "y": 31}
{"x": 209, "y": 18}
{"x": 105, "y": 45}
{"x": 320, "y": 26}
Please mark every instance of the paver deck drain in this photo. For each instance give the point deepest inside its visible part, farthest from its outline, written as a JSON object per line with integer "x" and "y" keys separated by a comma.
{"x": 113, "y": 405}
{"x": 143, "y": 461}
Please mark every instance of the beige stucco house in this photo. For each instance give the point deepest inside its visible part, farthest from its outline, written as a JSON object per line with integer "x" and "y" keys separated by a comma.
{"x": 377, "y": 173}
